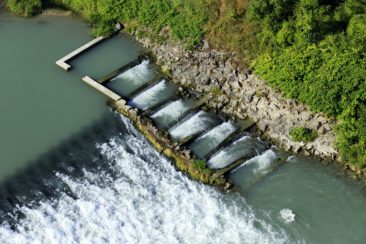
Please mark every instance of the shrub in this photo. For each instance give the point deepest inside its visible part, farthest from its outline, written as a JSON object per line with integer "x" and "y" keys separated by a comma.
{"x": 24, "y": 7}
{"x": 201, "y": 165}
{"x": 302, "y": 134}
{"x": 357, "y": 28}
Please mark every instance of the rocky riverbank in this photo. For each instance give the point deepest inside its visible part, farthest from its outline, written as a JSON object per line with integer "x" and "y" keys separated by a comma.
{"x": 240, "y": 94}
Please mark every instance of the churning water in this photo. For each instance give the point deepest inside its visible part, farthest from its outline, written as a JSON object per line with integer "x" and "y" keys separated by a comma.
{"x": 145, "y": 200}
{"x": 243, "y": 147}
{"x": 132, "y": 79}
{"x": 198, "y": 123}
{"x": 172, "y": 112}
{"x": 212, "y": 139}
{"x": 158, "y": 93}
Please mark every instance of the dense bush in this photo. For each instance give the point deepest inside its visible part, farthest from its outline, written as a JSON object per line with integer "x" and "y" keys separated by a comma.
{"x": 302, "y": 134}
{"x": 24, "y": 7}
{"x": 185, "y": 20}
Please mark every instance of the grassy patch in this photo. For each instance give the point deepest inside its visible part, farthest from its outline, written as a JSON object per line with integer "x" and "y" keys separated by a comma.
{"x": 302, "y": 134}
{"x": 201, "y": 165}
{"x": 216, "y": 91}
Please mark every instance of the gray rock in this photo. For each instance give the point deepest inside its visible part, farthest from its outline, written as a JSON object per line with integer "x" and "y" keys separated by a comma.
{"x": 248, "y": 98}
{"x": 242, "y": 77}
{"x": 327, "y": 127}
{"x": 235, "y": 84}
{"x": 205, "y": 46}
{"x": 322, "y": 130}
{"x": 205, "y": 80}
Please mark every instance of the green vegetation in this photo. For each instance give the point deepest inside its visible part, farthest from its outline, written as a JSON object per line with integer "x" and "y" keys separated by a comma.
{"x": 24, "y": 7}
{"x": 216, "y": 91}
{"x": 301, "y": 134}
{"x": 201, "y": 165}
{"x": 183, "y": 20}
{"x": 312, "y": 50}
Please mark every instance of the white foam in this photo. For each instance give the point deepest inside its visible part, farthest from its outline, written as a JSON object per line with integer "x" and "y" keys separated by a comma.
{"x": 287, "y": 215}
{"x": 245, "y": 146}
{"x": 199, "y": 122}
{"x": 172, "y": 111}
{"x": 141, "y": 73}
{"x": 150, "y": 202}
{"x": 264, "y": 162}
{"x": 153, "y": 95}
{"x": 209, "y": 141}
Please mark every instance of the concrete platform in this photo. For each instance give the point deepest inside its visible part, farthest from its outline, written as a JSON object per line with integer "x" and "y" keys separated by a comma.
{"x": 110, "y": 94}
{"x": 63, "y": 61}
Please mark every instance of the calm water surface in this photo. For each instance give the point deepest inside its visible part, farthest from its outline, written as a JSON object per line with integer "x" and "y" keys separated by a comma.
{"x": 40, "y": 104}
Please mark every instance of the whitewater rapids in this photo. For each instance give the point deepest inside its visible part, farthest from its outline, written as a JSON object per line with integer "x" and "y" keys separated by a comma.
{"x": 146, "y": 201}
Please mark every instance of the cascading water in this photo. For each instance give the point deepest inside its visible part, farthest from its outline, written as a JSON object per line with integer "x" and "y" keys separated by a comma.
{"x": 244, "y": 147}
{"x": 158, "y": 93}
{"x": 172, "y": 112}
{"x": 132, "y": 197}
{"x": 194, "y": 125}
{"x": 257, "y": 167}
{"x": 205, "y": 144}
{"x": 132, "y": 79}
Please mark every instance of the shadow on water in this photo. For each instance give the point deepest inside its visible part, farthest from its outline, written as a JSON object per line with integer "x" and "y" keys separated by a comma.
{"x": 40, "y": 180}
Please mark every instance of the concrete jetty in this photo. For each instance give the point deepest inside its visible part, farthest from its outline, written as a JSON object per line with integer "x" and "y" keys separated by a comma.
{"x": 63, "y": 61}
{"x": 110, "y": 94}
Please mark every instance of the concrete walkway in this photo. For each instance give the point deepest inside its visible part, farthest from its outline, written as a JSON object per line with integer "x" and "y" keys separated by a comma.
{"x": 110, "y": 94}
{"x": 63, "y": 61}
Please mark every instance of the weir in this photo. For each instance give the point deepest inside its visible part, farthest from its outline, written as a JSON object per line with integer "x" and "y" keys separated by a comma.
{"x": 170, "y": 113}
{"x": 63, "y": 61}
{"x": 181, "y": 130}
{"x": 122, "y": 69}
{"x": 205, "y": 144}
{"x": 198, "y": 123}
{"x": 154, "y": 95}
{"x": 102, "y": 89}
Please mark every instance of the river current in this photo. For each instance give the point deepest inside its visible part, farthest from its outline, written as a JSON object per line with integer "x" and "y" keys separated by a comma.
{"x": 137, "y": 196}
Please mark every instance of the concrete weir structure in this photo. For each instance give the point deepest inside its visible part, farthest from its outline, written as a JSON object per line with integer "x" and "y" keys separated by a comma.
{"x": 63, "y": 61}
{"x": 102, "y": 89}
{"x": 178, "y": 140}
{"x": 184, "y": 159}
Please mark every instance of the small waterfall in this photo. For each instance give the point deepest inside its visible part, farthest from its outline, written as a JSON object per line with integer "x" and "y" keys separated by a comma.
{"x": 196, "y": 124}
{"x": 244, "y": 147}
{"x": 172, "y": 112}
{"x": 132, "y": 79}
{"x": 158, "y": 93}
{"x": 212, "y": 139}
{"x": 252, "y": 170}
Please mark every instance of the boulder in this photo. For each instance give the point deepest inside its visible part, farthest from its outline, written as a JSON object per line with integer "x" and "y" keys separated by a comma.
{"x": 204, "y": 80}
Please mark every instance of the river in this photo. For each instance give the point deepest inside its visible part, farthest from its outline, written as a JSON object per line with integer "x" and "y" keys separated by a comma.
{"x": 74, "y": 172}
